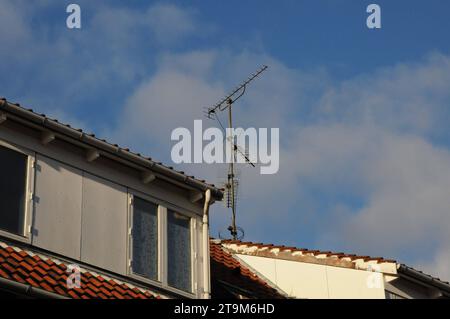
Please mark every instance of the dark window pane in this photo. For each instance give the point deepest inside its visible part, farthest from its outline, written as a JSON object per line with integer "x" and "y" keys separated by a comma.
{"x": 12, "y": 190}
{"x": 179, "y": 251}
{"x": 145, "y": 239}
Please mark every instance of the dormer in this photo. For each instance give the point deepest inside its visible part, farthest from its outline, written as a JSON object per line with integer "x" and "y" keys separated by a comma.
{"x": 93, "y": 203}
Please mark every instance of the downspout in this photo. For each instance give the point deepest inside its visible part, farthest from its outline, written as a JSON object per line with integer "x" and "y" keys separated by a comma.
{"x": 206, "y": 261}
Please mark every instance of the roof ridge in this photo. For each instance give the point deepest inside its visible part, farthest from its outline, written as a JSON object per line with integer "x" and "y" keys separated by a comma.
{"x": 326, "y": 258}
{"x": 305, "y": 250}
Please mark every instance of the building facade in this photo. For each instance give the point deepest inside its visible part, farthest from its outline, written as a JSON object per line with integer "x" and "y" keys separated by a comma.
{"x": 83, "y": 218}
{"x": 73, "y": 198}
{"x": 312, "y": 274}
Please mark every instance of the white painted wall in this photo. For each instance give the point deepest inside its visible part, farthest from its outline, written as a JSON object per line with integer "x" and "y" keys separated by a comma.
{"x": 314, "y": 281}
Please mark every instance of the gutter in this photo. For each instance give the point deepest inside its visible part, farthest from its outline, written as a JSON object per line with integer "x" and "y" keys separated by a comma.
{"x": 410, "y": 272}
{"x": 28, "y": 290}
{"x": 205, "y": 239}
{"x": 107, "y": 147}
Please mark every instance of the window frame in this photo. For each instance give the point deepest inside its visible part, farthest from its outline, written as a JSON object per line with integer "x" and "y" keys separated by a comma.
{"x": 130, "y": 239}
{"x": 193, "y": 239}
{"x": 163, "y": 208}
{"x": 25, "y": 236}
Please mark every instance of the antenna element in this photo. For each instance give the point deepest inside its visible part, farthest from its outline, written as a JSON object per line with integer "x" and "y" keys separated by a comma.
{"x": 231, "y": 185}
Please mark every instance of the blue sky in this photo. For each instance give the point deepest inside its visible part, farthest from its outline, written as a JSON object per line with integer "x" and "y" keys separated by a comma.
{"x": 363, "y": 114}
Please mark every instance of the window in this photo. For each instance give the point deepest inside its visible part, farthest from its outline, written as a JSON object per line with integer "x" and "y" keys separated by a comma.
{"x": 12, "y": 190}
{"x": 145, "y": 239}
{"x": 161, "y": 245}
{"x": 179, "y": 251}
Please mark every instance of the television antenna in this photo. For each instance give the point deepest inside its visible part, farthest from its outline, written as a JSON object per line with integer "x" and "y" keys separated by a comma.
{"x": 232, "y": 182}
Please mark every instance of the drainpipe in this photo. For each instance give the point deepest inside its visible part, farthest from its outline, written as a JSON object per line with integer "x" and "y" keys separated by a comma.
{"x": 206, "y": 261}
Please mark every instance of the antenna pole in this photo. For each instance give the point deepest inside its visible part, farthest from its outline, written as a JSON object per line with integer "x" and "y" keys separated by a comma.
{"x": 223, "y": 104}
{"x": 231, "y": 171}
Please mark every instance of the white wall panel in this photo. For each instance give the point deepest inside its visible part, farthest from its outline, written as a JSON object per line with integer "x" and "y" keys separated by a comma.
{"x": 356, "y": 284}
{"x": 57, "y": 216}
{"x": 104, "y": 224}
{"x": 307, "y": 280}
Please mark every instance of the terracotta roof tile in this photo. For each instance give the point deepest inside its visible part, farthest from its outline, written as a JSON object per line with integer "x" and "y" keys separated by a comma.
{"x": 90, "y": 293}
{"x": 102, "y": 296}
{"x": 107, "y": 292}
{"x": 22, "y": 273}
{"x": 120, "y": 290}
{"x": 12, "y": 262}
{"x": 132, "y": 294}
{"x": 18, "y": 278}
{"x": 36, "y": 276}
{"x": 228, "y": 270}
{"x": 4, "y": 274}
{"x": 73, "y": 294}
{"x": 17, "y": 257}
{"x": 47, "y": 287}
{"x": 49, "y": 274}
{"x": 92, "y": 287}
{"x": 60, "y": 291}
{"x": 118, "y": 295}
{"x": 32, "y": 282}
{"x": 50, "y": 280}
{"x": 26, "y": 266}
{"x": 328, "y": 254}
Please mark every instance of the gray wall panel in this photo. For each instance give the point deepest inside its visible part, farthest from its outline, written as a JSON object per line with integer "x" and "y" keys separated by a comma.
{"x": 57, "y": 216}
{"x": 104, "y": 224}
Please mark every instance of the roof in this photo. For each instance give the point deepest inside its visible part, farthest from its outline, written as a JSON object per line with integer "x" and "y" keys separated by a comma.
{"x": 66, "y": 132}
{"x": 36, "y": 269}
{"x": 337, "y": 259}
{"x": 230, "y": 278}
{"x": 421, "y": 276}
{"x": 49, "y": 274}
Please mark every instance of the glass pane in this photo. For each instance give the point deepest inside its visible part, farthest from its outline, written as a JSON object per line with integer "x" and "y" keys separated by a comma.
{"x": 12, "y": 190}
{"x": 145, "y": 239}
{"x": 179, "y": 251}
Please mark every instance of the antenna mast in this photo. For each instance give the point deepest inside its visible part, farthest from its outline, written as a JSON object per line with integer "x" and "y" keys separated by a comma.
{"x": 227, "y": 103}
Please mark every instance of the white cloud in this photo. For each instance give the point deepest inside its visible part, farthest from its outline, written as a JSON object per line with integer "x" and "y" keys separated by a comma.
{"x": 439, "y": 265}
{"x": 168, "y": 100}
{"x": 403, "y": 179}
{"x": 368, "y": 140}
{"x": 407, "y": 97}
{"x": 364, "y": 163}
{"x": 169, "y": 22}
{"x": 14, "y": 29}
{"x": 114, "y": 48}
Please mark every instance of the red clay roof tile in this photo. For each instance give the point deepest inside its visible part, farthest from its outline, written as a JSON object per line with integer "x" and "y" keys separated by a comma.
{"x": 47, "y": 287}
{"x": 307, "y": 251}
{"x": 35, "y": 276}
{"x": 226, "y": 269}
{"x": 26, "y": 266}
{"x": 18, "y": 278}
{"x": 23, "y": 266}
{"x": 73, "y": 294}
